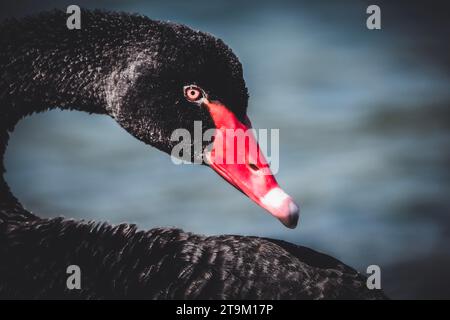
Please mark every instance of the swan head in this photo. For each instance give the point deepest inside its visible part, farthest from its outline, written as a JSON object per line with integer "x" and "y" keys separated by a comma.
{"x": 181, "y": 82}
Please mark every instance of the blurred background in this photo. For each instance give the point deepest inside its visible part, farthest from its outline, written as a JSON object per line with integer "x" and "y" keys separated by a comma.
{"x": 364, "y": 125}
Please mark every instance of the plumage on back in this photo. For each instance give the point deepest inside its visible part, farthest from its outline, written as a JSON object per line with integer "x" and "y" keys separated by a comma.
{"x": 163, "y": 263}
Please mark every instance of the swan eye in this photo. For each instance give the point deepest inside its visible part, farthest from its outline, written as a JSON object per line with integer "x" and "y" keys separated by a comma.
{"x": 193, "y": 93}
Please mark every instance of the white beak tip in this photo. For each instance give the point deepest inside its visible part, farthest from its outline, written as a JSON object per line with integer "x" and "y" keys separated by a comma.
{"x": 290, "y": 220}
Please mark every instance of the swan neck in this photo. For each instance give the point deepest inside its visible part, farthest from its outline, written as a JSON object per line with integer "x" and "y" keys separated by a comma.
{"x": 39, "y": 72}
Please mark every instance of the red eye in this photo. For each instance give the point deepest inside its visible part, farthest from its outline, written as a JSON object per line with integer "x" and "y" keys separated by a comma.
{"x": 193, "y": 93}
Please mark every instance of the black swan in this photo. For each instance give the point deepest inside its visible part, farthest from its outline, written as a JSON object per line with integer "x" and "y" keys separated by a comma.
{"x": 134, "y": 70}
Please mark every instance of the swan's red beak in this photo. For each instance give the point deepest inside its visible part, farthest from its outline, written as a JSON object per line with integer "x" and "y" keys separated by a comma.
{"x": 236, "y": 156}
